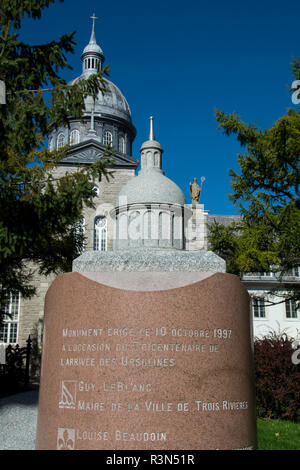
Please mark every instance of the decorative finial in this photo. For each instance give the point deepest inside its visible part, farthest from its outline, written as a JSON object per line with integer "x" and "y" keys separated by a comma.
{"x": 151, "y": 133}
{"x": 93, "y": 36}
{"x": 94, "y": 18}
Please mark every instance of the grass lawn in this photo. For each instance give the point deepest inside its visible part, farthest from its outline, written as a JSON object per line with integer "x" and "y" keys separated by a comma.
{"x": 278, "y": 435}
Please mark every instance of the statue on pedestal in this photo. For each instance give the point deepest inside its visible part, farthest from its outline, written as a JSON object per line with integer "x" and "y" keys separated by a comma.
{"x": 195, "y": 190}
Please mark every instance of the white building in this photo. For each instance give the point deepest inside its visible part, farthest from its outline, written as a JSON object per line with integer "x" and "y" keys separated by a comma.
{"x": 271, "y": 312}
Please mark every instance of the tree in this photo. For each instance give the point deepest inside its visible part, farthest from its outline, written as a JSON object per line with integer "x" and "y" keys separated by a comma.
{"x": 267, "y": 194}
{"x": 38, "y": 214}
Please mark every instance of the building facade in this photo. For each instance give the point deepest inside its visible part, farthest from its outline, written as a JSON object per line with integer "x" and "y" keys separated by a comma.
{"x": 107, "y": 121}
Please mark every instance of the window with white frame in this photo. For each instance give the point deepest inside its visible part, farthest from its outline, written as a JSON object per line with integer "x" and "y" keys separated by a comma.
{"x": 100, "y": 234}
{"x": 9, "y": 328}
{"x": 295, "y": 272}
{"x": 259, "y": 307}
{"x": 74, "y": 137}
{"x": 261, "y": 274}
{"x": 107, "y": 138}
{"x": 122, "y": 145}
{"x": 60, "y": 140}
{"x": 291, "y": 309}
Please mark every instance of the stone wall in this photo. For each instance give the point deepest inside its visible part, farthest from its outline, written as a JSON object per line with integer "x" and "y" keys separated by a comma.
{"x": 32, "y": 310}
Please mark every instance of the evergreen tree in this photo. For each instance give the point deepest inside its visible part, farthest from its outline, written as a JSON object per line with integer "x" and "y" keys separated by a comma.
{"x": 267, "y": 194}
{"x": 38, "y": 215}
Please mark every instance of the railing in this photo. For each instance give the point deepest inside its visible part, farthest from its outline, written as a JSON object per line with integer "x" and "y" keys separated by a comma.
{"x": 15, "y": 371}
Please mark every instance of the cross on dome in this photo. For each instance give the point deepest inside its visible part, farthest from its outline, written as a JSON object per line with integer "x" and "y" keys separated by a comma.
{"x": 93, "y": 36}
{"x": 94, "y": 18}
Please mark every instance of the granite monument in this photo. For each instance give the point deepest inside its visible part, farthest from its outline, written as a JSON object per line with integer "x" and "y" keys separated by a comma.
{"x": 147, "y": 346}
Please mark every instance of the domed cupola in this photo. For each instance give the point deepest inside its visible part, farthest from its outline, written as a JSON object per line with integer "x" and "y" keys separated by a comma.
{"x": 92, "y": 56}
{"x": 150, "y": 207}
{"x": 151, "y": 186}
{"x": 106, "y": 119}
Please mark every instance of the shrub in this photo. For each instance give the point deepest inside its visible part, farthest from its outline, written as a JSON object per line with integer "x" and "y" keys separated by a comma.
{"x": 12, "y": 374}
{"x": 277, "y": 378}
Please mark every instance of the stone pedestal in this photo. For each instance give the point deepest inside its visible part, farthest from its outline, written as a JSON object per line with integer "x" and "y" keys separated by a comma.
{"x": 146, "y": 360}
{"x": 196, "y": 236}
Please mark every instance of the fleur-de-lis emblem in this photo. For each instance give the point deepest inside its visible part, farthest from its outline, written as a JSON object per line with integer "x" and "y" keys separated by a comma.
{"x": 65, "y": 439}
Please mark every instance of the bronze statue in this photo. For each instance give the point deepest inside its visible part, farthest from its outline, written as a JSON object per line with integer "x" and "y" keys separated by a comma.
{"x": 195, "y": 190}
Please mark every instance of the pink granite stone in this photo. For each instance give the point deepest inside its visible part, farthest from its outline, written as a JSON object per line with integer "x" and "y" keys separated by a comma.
{"x": 153, "y": 369}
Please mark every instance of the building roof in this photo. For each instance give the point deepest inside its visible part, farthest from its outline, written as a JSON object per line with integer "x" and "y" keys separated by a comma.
{"x": 223, "y": 219}
{"x": 89, "y": 151}
{"x": 112, "y": 102}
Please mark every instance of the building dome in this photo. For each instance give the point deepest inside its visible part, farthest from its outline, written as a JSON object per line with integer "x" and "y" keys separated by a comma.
{"x": 112, "y": 102}
{"x": 150, "y": 208}
{"x": 106, "y": 120}
{"x": 151, "y": 186}
{"x": 92, "y": 47}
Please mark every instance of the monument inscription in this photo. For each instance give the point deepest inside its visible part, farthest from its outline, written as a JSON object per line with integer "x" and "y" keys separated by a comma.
{"x": 162, "y": 369}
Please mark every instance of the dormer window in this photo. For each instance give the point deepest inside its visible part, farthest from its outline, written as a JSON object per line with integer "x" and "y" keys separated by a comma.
{"x": 60, "y": 141}
{"x": 74, "y": 137}
{"x": 122, "y": 145}
{"x": 107, "y": 138}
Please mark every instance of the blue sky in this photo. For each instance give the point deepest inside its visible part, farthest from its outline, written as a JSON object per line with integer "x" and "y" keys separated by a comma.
{"x": 179, "y": 61}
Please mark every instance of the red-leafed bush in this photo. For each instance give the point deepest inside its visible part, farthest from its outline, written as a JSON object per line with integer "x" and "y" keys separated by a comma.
{"x": 277, "y": 378}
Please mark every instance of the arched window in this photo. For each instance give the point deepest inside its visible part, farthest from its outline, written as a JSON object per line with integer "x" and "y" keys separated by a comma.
{"x": 164, "y": 226}
{"x": 60, "y": 140}
{"x": 107, "y": 138}
{"x": 74, "y": 137}
{"x": 134, "y": 227}
{"x": 100, "y": 234}
{"x": 147, "y": 225}
{"x": 51, "y": 142}
{"x": 122, "y": 144}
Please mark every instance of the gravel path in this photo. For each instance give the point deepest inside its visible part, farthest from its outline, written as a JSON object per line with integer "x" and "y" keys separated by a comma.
{"x": 18, "y": 416}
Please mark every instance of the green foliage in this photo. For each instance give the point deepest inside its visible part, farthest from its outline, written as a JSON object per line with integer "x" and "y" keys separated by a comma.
{"x": 223, "y": 240}
{"x": 275, "y": 434}
{"x": 266, "y": 191}
{"x": 39, "y": 214}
